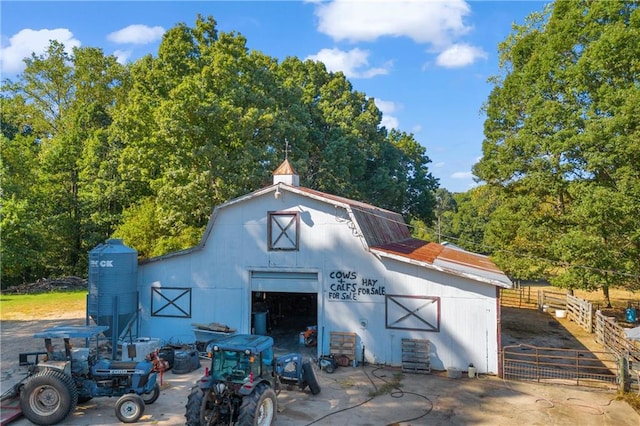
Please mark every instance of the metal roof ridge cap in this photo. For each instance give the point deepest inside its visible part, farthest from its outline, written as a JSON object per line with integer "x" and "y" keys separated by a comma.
{"x": 312, "y": 193}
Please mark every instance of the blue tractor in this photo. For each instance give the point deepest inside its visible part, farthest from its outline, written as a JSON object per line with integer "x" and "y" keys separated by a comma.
{"x": 241, "y": 385}
{"x": 59, "y": 379}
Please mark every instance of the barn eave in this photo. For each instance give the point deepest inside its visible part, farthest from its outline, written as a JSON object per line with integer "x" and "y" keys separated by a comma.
{"x": 505, "y": 283}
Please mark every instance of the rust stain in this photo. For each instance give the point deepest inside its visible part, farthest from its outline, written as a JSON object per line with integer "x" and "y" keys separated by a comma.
{"x": 415, "y": 249}
{"x": 424, "y": 251}
{"x": 285, "y": 169}
{"x": 468, "y": 258}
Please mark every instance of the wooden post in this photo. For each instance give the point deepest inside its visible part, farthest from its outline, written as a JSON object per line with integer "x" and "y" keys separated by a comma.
{"x": 623, "y": 374}
{"x": 540, "y": 299}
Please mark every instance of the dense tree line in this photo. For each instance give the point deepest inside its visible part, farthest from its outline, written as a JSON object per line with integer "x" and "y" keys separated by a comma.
{"x": 93, "y": 149}
{"x": 561, "y": 155}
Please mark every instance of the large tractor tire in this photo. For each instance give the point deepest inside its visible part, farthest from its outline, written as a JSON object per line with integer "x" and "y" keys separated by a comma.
{"x": 195, "y": 403}
{"x": 201, "y": 409}
{"x": 48, "y": 397}
{"x": 309, "y": 377}
{"x": 151, "y": 396}
{"x": 259, "y": 408}
{"x": 129, "y": 408}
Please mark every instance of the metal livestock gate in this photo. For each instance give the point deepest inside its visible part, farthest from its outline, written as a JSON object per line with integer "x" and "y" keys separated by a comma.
{"x": 560, "y": 366}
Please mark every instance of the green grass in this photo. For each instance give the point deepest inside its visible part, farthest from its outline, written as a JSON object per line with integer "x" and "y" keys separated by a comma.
{"x": 630, "y": 398}
{"x": 34, "y": 306}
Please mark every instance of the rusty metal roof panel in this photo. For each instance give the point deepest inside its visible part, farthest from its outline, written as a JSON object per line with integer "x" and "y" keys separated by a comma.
{"x": 378, "y": 226}
{"x": 414, "y": 249}
{"x": 447, "y": 259}
{"x": 463, "y": 257}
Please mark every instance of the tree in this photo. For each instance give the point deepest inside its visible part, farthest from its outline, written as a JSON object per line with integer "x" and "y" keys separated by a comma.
{"x": 64, "y": 100}
{"x": 445, "y": 210}
{"x": 219, "y": 124}
{"x": 22, "y": 201}
{"x": 209, "y": 135}
{"x": 562, "y": 130}
{"x": 145, "y": 152}
{"x": 346, "y": 151}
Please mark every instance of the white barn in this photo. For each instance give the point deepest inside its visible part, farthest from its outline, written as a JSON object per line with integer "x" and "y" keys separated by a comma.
{"x": 355, "y": 265}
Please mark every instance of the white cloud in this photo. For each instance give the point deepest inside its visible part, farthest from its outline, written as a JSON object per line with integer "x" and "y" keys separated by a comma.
{"x": 439, "y": 24}
{"x": 416, "y": 129}
{"x": 389, "y": 122}
{"x": 460, "y": 55}
{"x": 438, "y": 165}
{"x": 387, "y": 108}
{"x": 462, "y": 175}
{"x": 136, "y": 34}
{"x": 434, "y": 22}
{"x": 27, "y": 41}
{"x": 353, "y": 63}
{"x": 122, "y": 56}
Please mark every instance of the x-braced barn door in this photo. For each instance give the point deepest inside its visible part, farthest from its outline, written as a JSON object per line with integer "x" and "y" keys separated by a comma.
{"x": 420, "y": 313}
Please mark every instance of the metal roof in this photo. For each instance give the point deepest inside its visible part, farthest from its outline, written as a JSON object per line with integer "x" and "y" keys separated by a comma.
{"x": 384, "y": 233}
{"x": 377, "y": 226}
{"x": 285, "y": 169}
{"x": 447, "y": 259}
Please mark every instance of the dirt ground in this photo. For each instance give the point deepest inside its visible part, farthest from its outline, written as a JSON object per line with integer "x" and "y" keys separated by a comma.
{"x": 363, "y": 396}
{"x": 544, "y": 329}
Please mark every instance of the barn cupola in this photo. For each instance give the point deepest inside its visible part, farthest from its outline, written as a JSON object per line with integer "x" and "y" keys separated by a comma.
{"x": 286, "y": 174}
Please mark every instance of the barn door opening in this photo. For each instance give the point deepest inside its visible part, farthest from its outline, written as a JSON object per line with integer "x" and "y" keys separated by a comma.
{"x": 283, "y": 316}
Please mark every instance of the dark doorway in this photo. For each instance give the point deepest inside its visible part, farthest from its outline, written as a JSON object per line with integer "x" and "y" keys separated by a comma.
{"x": 284, "y": 316}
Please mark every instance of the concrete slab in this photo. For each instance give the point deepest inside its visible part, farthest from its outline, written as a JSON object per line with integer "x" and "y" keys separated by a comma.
{"x": 359, "y": 396}
{"x": 363, "y": 396}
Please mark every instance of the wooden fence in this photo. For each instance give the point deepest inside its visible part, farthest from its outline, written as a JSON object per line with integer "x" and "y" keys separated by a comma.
{"x": 552, "y": 299}
{"x": 519, "y": 298}
{"x": 581, "y": 312}
{"x": 612, "y": 337}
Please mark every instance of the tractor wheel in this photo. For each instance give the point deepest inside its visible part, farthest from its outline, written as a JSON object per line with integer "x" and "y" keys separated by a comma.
{"x": 151, "y": 396}
{"x": 259, "y": 408}
{"x": 209, "y": 410}
{"x": 48, "y": 397}
{"x": 309, "y": 376}
{"x": 194, "y": 405}
{"x": 129, "y": 408}
{"x": 201, "y": 409}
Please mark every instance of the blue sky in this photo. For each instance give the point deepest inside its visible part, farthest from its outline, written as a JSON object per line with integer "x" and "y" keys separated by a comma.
{"x": 426, "y": 63}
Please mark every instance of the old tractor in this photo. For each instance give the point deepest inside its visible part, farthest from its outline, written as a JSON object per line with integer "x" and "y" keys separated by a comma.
{"x": 58, "y": 379}
{"x": 241, "y": 385}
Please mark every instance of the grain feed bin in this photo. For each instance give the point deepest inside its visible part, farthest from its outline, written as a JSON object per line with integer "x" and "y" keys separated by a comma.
{"x": 113, "y": 295}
